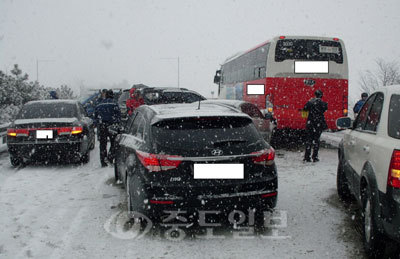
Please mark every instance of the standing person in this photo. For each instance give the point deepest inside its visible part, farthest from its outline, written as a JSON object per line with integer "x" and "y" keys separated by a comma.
{"x": 130, "y": 101}
{"x": 53, "y": 95}
{"x": 315, "y": 125}
{"x": 360, "y": 103}
{"x": 102, "y": 96}
{"x": 135, "y": 100}
{"x": 107, "y": 113}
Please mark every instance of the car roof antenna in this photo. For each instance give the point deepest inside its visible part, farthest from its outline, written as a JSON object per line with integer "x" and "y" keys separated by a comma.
{"x": 198, "y": 108}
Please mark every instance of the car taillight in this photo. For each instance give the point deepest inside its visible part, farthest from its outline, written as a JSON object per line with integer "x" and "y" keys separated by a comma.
{"x": 69, "y": 130}
{"x": 264, "y": 157}
{"x": 76, "y": 130}
{"x": 11, "y": 132}
{"x": 17, "y": 132}
{"x": 394, "y": 170}
{"x": 157, "y": 163}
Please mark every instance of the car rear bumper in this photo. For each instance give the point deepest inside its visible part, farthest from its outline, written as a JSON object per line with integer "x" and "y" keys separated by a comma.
{"x": 390, "y": 213}
{"x": 259, "y": 198}
{"x": 45, "y": 150}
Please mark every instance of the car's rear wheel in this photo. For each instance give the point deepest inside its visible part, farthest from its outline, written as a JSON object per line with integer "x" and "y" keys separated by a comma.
{"x": 136, "y": 195}
{"x": 93, "y": 142}
{"x": 15, "y": 160}
{"x": 259, "y": 220}
{"x": 374, "y": 241}
{"x": 134, "y": 189}
{"x": 116, "y": 174}
{"x": 342, "y": 183}
{"x": 86, "y": 157}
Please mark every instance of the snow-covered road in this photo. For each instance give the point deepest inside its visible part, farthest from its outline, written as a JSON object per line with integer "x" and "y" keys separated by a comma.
{"x": 71, "y": 211}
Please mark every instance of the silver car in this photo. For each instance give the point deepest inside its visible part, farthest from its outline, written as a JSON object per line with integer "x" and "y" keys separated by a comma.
{"x": 263, "y": 124}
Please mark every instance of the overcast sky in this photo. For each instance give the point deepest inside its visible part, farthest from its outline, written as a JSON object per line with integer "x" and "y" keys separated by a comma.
{"x": 97, "y": 42}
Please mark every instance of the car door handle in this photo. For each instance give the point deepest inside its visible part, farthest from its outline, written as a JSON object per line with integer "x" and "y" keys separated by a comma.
{"x": 366, "y": 148}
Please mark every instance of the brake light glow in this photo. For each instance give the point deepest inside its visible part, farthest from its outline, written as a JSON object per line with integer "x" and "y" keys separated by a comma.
{"x": 264, "y": 157}
{"x": 76, "y": 130}
{"x": 394, "y": 170}
{"x": 157, "y": 163}
{"x": 161, "y": 202}
{"x": 18, "y": 132}
{"x": 282, "y": 37}
{"x": 11, "y": 132}
{"x": 69, "y": 130}
{"x": 336, "y": 39}
{"x": 266, "y": 195}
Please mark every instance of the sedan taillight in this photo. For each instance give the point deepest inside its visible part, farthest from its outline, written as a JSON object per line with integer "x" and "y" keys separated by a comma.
{"x": 394, "y": 170}
{"x": 69, "y": 130}
{"x": 17, "y": 132}
{"x": 264, "y": 157}
{"x": 157, "y": 163}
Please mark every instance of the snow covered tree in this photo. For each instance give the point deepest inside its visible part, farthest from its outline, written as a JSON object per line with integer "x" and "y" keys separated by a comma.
{"x": 15, "y": 90}
{"x": 65, "y": 92}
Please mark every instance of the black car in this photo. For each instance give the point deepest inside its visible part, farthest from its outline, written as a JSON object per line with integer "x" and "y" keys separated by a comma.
{"x": 50, "y": 129}
{"x": 160, "y": 95}
{"x": 178, "y": 156}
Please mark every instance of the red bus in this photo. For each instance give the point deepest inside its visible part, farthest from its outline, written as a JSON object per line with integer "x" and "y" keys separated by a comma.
{"x": 281, "y": 75}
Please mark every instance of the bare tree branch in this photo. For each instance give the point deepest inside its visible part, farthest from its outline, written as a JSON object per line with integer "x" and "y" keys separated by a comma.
{"x": 385, "y": 73}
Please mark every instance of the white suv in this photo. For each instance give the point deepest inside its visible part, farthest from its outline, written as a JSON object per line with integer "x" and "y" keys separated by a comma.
{"x": 369, "y": 167}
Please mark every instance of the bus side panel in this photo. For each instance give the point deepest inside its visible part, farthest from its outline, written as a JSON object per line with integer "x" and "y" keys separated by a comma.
{"x": 291, "y": 94}
{"x": 257, "y": 99}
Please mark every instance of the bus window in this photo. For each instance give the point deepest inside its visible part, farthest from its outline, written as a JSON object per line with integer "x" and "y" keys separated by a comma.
{"x": 313, "y": 50}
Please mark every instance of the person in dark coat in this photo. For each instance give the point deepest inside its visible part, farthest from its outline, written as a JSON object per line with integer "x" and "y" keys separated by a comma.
{"x": 107, "y": 113}
{"x": 53, "y": 94}
{"x": 315, "y": 125}
{"x": 360, "y": 103}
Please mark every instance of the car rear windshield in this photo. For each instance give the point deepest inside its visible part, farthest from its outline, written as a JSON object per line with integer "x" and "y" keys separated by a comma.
{"x": 312, "y": 50}
{"x": 394, "y": 117}
{"x": 160, "y": 97}
{"x": 203, "y": 132}
{"x": 48, "y": 110}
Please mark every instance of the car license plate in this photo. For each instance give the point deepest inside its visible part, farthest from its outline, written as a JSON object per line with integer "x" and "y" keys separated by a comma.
{"x": 44, "y": 134}
{"x": 218, "y": 171}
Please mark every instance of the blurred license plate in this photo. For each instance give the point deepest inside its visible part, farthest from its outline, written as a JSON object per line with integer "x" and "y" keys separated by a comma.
{"x": 44, "y": 134}
{"x": 218, "y": 171}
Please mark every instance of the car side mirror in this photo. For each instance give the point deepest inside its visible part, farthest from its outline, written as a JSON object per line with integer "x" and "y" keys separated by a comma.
{"x": 217, "y": 77}
{"x": 344, "y": 123}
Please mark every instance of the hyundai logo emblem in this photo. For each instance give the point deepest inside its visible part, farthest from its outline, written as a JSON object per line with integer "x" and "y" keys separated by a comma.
{"x": 216, "y": 152}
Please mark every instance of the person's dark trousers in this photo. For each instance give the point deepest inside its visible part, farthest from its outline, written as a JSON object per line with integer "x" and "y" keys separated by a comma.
{"x": 103, "y": 136}
{"x": 312, "y": 142}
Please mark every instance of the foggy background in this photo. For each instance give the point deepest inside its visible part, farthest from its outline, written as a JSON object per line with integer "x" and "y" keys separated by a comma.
{"x": 103, "y": 43}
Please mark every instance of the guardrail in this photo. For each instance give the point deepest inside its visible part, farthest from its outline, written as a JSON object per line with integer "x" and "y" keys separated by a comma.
{"x": 3, "y": 136}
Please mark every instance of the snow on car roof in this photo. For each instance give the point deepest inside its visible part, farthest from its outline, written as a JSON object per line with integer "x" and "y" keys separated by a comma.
{"x": 40, "y": 120}
{"x": 53, "y": 101}
{"x": 171, "y": 111}
{"x": 233, "y": 103}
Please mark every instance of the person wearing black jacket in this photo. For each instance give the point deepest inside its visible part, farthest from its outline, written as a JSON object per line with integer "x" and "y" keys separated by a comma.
{"x": 107, "y": 113}
{"x": 315, "y": 125}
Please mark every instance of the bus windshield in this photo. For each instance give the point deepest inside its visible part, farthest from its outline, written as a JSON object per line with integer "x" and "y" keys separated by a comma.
{"x": 312, "y": 50}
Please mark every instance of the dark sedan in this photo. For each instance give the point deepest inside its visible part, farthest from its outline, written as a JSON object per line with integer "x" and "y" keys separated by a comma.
{"x": 50, "y": 129}
{"x": 182, "y": 156}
